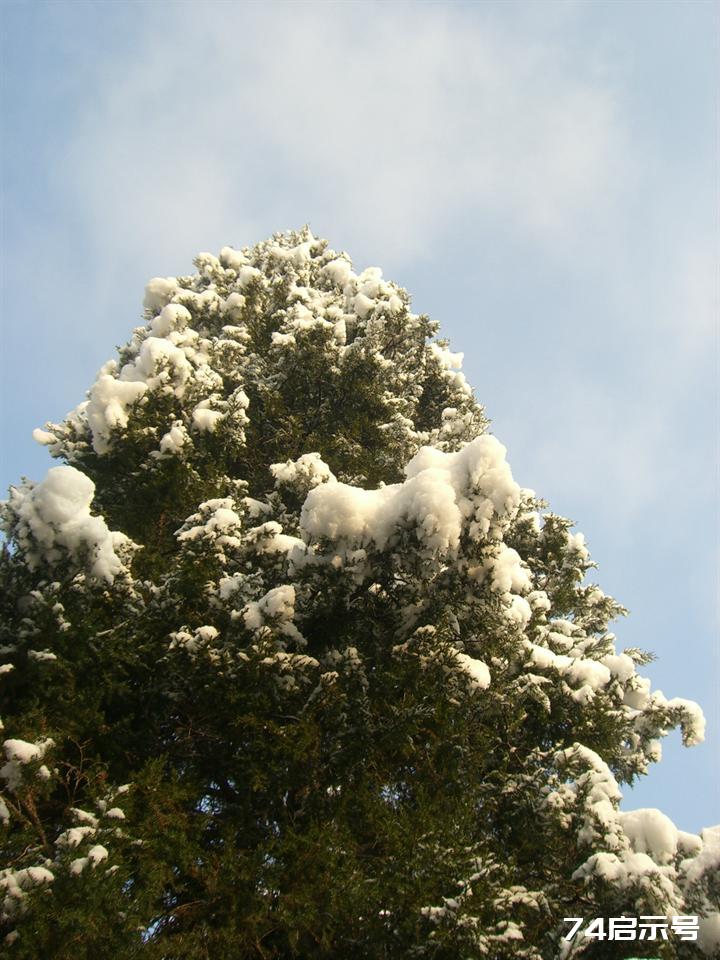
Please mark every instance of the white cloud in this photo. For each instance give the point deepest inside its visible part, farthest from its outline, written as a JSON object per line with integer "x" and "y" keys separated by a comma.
{"x": 697, "y": 294}
{"x": 385, "y": 120}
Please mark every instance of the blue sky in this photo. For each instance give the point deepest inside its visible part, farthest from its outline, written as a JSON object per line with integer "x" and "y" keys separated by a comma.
{"x": 542, "y": 178}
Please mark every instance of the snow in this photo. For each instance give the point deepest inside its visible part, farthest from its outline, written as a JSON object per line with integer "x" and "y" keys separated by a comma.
{"x": 707, "y": 861}
{"x": 709, "y": 934}
{"x": 369, "y": 283}
{"x": 192, "y": 642}
{"x": 620, "y": 666}
{"x": 339, "y": 271}
{"x": 268, "y": 538}
{"x": 247, "y": 274}
{"x": 168, "y": 358}
{"x": 689, "y": 843}
{"x": 341, "y": 511}
{"x": 450, "y": 364}
{"x": 41, "y": 656}
{"x": 25, "y": 752}
{"x": 173, "y": 316}
{"x": 476, "y": 670}
{"x": 692, "y": 720}
{"x": 444, "y": 493}
{"x": 597, "y": 789}
{"x": 539, "y": 600}
{"x": 588, "y": 673}
{"x": 159, "y": 363}
{"x": 74, "y": 836}
{"x": 175, "y": 439}
{"x": 306, "y": 472}
{"x": 637, "y": 695}
{"x": 36, "y": 875}
{"x": 43, "y": 437}
{"x": 304, "y": 321}
{"x": 234, "y": 259}
{"x": 83, "y": 816}
{"x": 207, "y": 264}
{"x": 518, "y": 611}
{"x": 588, "y": 676}
{"x": 53, "y": 518}
{"x": 435, "y": 914}
{"x": 650, "y": 831}
{"x": 107, "y": 410}
{"x": 159, "y": 291}
{"x": 620, "y": 870}
{"x": 97, "y": 854}
{"x": 283, "y": 339}
{"x": 233, "y": 305}
{"x": 576, "y": 543}
{"x": 278, "y": 605}
{"x": 78, "y": 865}
{"x": 201, "y": 301}
{"x": 450, "y": 361}
{"x": 205, "y": 419}
{"x": 14, "y": 885}
{"x": 545, "y": 659}
{"x": 216, "y": 522}
{"x": 362, "y": 305}
{"x": 506, "y": 571}
{"x": 297, "y": 255}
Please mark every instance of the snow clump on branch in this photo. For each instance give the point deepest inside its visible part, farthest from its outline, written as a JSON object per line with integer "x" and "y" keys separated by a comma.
{"x": 51, "y": 520}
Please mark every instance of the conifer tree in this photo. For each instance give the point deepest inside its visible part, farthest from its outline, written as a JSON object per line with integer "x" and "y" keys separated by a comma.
{"x": 293, "y": 668}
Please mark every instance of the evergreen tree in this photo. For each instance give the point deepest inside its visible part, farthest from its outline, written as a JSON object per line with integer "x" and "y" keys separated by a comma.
{"x": 293, "y": 668}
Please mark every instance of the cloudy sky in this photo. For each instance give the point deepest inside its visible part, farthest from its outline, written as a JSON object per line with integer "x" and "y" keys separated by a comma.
{"x": 542, "y": 177}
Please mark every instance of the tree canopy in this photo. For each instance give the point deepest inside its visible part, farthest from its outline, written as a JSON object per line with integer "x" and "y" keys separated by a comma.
{"x": 292, "y": 667}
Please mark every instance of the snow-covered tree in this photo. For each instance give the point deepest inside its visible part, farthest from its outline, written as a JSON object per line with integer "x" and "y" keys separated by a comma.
{"x": 292, "y": 666}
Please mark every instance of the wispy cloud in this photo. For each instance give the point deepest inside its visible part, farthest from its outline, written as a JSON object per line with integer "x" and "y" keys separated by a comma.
{"x": 386, "y": 120}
